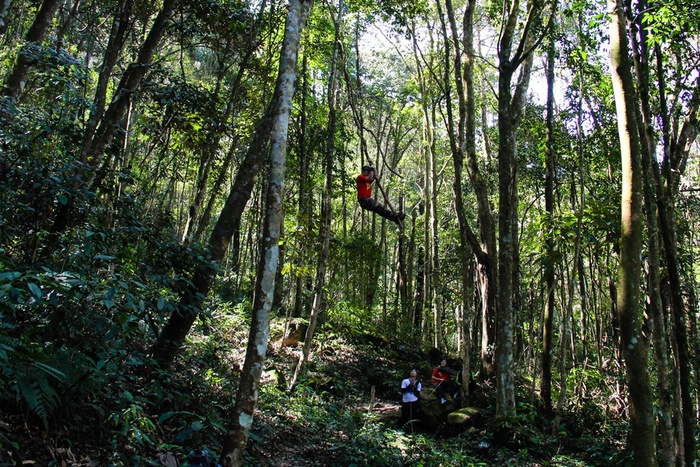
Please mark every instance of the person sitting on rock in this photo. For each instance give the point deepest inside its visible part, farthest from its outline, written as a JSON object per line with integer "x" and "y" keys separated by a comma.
{"x": 443, "y": 382}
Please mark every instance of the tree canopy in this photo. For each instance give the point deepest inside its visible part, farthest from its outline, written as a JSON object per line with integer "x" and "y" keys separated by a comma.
{"x": 185, "y": 264}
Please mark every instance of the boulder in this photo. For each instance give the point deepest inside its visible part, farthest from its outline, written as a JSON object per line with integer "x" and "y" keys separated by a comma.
{"x": 465, "y": 417}
{"x": 434, "y": 412}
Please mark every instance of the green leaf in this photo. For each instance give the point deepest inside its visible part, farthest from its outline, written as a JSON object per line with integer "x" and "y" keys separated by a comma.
{"x": 35, "y": 290}
{"x": 197, "y": 425}
{"x": 51, "y": 371}
{"x": 105, "y": 257}
{"x": 166, "y": 416}
{"x": 9, "y": 276}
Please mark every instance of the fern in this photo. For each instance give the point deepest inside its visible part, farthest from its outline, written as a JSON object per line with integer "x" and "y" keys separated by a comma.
{"x": 30, "y": 392}
{"x": 30, "y": 377}
{"x": 35, "y": 389}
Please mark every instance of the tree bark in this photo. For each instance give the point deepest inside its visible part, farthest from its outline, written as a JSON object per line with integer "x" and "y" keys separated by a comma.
{"x": 666, "y": 396}
{"x": 483, "y": 248}
{"x": 633, "y": 345}
{"x": 676, "y": 144}
{"x": 510, "y": 105}
{"x": 461, "y": 138}
{"x": 303, "y": 216}
{"x": 507, "y": 231}
{"x": 17, "y": 79}
{"x": 234, "y": 444}
{"x": 436, "y": 282}
{"x": 549, "y": 278}
{"x": 431, "y": 277}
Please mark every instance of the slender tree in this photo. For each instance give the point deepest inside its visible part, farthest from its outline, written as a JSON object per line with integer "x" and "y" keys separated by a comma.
{"x": 130, "y": 81}
{"x": 511, "y": 56}
{"x": 235, "y": 441}
{"x": 666, "y": 397}
{"x": 462, "y": 137}
{"x": 632, "y": 342}
{"x": 679, "y": 129}
{"x": 326, "y": 205}
{"x": 549, "y": 276}
{"x": 304, "y": 201}
{"x": 174, "y": 332}
{"x": 120, "y": 27}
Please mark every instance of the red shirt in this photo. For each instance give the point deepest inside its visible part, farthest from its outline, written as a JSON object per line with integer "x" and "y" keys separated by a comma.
{"x": 441, "y": 373}
{"x": 364, "y": 187}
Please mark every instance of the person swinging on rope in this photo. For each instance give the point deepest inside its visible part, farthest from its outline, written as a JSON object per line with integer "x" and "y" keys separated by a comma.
{"x": 364, "y": 196}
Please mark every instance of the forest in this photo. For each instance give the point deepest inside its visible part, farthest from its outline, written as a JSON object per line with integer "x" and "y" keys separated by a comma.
{"x": 188, "y": 276}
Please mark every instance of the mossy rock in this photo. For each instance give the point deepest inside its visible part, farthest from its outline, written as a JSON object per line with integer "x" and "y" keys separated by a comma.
{"x": 464, "y": 416}
{"x": 435, "y": 413}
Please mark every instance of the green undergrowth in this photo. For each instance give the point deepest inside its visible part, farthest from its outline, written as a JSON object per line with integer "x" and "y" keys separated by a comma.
{"x": 131, "y": 414}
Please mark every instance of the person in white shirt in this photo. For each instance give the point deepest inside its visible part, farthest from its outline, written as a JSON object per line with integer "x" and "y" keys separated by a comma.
{"x": 410, "y": 407}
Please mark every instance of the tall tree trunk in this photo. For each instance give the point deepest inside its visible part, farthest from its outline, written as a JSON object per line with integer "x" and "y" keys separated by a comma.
{"x": 510, "y": 105}
{"x": 676, "y": 146}
{"x": 507, "y": 227}
{"x": 462, "y": 138}
{"x": 326, "y": 205}
{"x": 234, "y": 444}
{"x": 17, "y": 79}
{"x": 633, "y": 345}
{"x": 549, "y": 278}
{"x": 303, "y": 216}
{"x": 666, "y": 397}
{"x": 428, "y": 150}
{"x": 130, "y": 81}
{"x": 484, "y": 249}
{"x": 436, "y": 286}
{"x": 174, "y": 332}
{"x": 120, "y": 26}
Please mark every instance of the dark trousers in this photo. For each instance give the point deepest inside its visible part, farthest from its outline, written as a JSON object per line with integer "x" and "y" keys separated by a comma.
{"x": 409, "y": 411}
{"x": 447, "y": 387}
{"x": 370, "y": 204}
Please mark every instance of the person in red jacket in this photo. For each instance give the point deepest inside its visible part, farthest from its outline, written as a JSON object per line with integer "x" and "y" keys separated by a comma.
{"x": 443, "y": 382}
{"x": 364, "y": 196}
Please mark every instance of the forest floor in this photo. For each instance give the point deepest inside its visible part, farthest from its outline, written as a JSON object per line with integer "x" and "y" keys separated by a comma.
{"x": 359, "y": 385}
{"x": 343, "y": 412}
